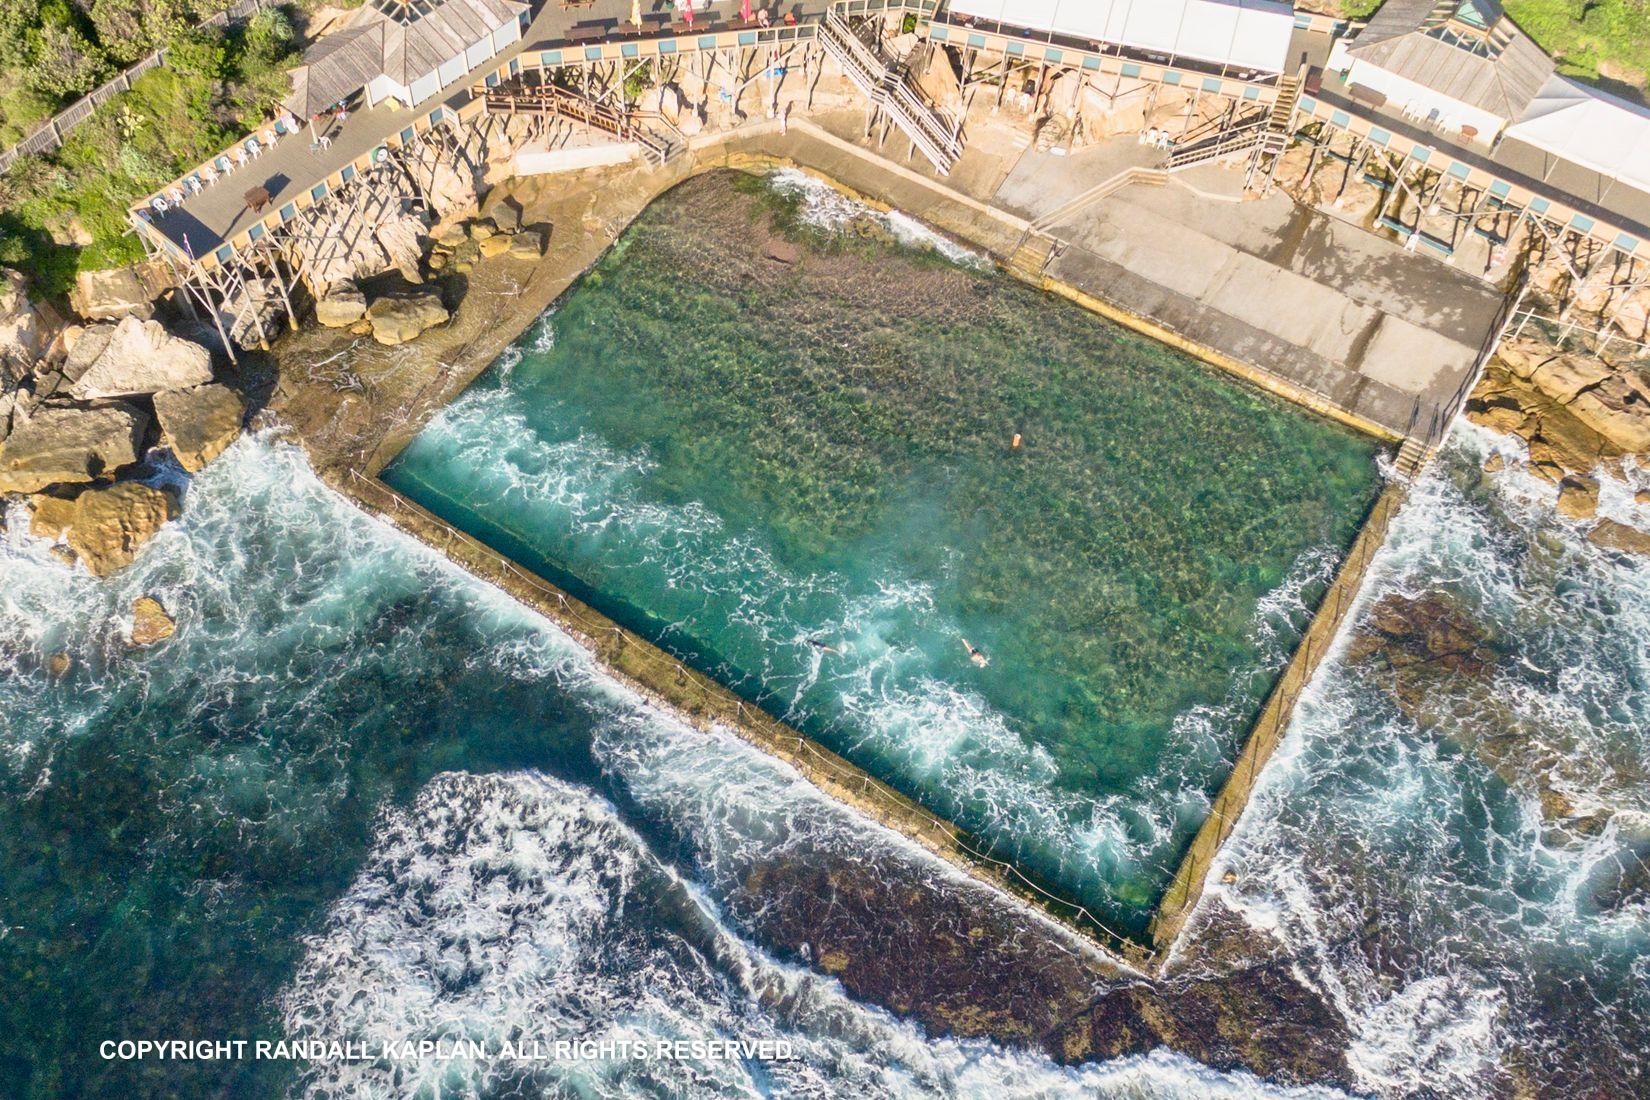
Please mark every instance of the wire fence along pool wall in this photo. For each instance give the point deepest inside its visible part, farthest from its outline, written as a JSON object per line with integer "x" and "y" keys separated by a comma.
{"x": 662, "y": 676}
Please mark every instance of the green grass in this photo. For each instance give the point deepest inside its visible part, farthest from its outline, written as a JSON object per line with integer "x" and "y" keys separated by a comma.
{"x": 1603, "y": 42}
{"x": 65, "y": 212}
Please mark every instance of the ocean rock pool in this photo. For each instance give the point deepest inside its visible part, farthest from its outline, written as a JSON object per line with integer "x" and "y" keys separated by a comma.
{"x": 776, "y": 433}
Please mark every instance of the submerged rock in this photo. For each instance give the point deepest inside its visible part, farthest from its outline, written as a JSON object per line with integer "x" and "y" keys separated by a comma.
{"x": 1619, "y": 536}
{"x": 150, "y": 622}
{"x": 110, "y": 525}
{"x": 199, "y": 423}
{"x": 395, "y": 320}
{"x": 134, "y": 357}
{"x": 69, "y": 445}
{"x": 1420, "y": 639}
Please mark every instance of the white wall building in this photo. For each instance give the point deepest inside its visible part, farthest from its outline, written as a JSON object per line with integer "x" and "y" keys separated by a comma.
{"x": 405, "y": 50}
{"x": 1461, "y": 67}
{"x": 1237, "y": 34}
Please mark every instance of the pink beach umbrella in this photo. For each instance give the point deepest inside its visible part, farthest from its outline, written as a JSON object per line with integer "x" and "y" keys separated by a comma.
{"x": 687, "y": 12}
{"x": 744, "y": 11}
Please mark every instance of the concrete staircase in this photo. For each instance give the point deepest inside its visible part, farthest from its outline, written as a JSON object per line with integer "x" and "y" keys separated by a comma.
{"x": 1413, "y": 457}
{"x": 1031, "y": 259}
{"x": 885, "y": 84}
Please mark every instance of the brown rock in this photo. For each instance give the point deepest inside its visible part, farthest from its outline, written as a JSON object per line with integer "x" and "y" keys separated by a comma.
{"x": 341, "y": 306}
{"x": 59, "y": 664}
{"x": 1506, "y": 419}
{"x": 1619, "y": 536}
{"x": 1562, "y": 440}
{"x": 1642, "y": 497}
{"x": 69, "y": 445}
{"x": 494, "y": 246}
{"x": 150, "y": 622}
{"x": 1565, "y": 376}
{"x": 395, "y": 320}
{"x": 1495, "y": 463}
{"x": 527, "y": 244}
{"x": 50, "y": 516}
{"x": 111, "y": 524}
{"x": 134, "y": 357}
{"x": 199, "y": 423}
{"x": 1578, "y": 497}
{"x": 1617, "y": 409}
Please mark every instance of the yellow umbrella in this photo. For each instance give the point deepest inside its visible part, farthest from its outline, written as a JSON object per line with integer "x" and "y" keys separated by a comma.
{"x": 636, "y": 12}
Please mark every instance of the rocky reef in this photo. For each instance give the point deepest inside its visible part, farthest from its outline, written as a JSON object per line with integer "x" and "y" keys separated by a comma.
{"x": 1581, "y": 417}
{"x": 80, "y": 409}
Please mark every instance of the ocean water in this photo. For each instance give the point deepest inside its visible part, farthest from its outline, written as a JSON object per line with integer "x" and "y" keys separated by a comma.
{"x": 360, "y": 795}
{"x": 773, "y": 431}
{"x": 1402, "y": 857}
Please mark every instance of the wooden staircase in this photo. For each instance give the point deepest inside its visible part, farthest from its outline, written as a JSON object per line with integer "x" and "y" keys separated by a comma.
{"x": 551, "y": 99}
{"x": 886, "y": 85}
{"x": 1275, "y": 135}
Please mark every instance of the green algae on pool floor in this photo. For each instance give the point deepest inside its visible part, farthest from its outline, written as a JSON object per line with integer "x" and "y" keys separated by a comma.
{"x": 775, "y": 432}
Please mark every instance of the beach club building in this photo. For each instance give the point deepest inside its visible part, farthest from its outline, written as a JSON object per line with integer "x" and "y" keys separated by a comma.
{"x": 405, "y": 50}
{"x": 1248, "y": 35}
{"x": 1459, "y": 66}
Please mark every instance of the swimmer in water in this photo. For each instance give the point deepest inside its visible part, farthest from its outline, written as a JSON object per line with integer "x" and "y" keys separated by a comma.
{"x": 975, "y": 655}
{"x": 826, "y": 646}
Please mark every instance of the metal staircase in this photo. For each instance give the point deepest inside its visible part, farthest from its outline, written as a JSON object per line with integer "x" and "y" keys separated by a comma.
{"x": 1228, "y": 143}
{"x": 885, "y": 83}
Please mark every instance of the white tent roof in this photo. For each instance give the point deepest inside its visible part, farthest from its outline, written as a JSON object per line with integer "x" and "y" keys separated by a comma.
{"x": 1247, "y": 34}
{"x": 1590, "y": 128}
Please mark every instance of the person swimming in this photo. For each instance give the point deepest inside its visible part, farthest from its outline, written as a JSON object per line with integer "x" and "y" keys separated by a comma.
{"x": 975, "y": 655}
{"x": 826, "y": 646}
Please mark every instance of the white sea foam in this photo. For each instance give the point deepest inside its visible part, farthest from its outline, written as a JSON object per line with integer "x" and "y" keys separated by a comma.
{"x": 1430, "y": 904}
{"x": 515, "y": 907}
{"x": 827, "y": 208}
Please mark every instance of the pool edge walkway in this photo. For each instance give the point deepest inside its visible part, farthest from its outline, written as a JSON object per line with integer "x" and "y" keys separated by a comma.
{"x": 883, "y": 184}
{"x": 705, "y": 704}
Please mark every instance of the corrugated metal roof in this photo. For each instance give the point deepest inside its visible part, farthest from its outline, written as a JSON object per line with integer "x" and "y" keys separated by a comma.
{"x": 375, "y": 43}
{"x": 1499, "y": 71}
{"x": 449, "y": 29}
{"x": 337, "y": 66}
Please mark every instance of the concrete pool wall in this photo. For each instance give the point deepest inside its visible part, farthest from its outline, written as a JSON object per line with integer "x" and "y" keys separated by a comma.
{"x": 660, "y": 677}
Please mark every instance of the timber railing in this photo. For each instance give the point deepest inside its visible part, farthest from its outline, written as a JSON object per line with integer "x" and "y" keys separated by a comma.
{"x": 49, "y": 134}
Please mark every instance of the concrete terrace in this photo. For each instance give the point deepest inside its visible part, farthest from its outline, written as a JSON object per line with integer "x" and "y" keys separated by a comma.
{"x": 1385, "y": 335}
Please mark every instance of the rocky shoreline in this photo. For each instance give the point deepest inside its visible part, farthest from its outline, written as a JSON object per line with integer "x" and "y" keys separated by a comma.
{"x": 1581, "y": 418}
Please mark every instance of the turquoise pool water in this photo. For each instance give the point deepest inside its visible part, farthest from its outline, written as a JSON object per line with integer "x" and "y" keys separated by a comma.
{"x": 777, "y": 434}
